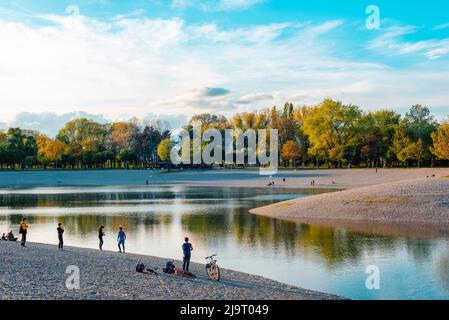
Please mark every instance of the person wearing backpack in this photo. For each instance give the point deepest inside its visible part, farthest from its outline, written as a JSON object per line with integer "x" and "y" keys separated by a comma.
{"x": 23, "y": 229}
{"x": 60, "y": 230}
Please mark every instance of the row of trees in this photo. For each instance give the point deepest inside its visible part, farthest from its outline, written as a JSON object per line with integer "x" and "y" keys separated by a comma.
{"x": 334, "y": 134}
{"x": 330, "y": 133}
{"x": 83, "y": 143}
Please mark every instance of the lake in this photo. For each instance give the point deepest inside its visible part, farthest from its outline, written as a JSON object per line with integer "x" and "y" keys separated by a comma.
{"x": 217, "y": 220}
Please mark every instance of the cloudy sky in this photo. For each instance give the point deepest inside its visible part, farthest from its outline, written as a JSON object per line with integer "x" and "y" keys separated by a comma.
{"x": 169, "y": 59}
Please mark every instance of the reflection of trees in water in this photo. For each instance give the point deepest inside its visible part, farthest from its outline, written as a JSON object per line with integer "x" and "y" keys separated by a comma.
{"x": 335, "y": 246}
{"x": 442, "y": 270}
{"x": 419, "y": 249}
{"x": 87, "y": 224}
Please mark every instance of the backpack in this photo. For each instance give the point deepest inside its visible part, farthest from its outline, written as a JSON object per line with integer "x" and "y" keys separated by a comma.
{"x": 20, "y": 229}
{"x": 140, "y": 268}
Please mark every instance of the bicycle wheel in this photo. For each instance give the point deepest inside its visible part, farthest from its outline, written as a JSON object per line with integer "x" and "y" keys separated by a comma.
{"x": 213, "y": 272}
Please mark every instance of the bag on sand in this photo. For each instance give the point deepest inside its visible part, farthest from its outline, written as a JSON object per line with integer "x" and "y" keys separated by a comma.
{"x": 140, "y": 268}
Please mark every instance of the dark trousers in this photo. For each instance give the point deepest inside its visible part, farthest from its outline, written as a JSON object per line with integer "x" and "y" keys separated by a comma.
{"x": 101, "y": 243}
{"x": 61, "y": 242}
{"x": 186, "y": 263}
{"x": 24, "y": 238}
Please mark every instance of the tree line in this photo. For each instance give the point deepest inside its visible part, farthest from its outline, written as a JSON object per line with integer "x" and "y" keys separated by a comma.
{"x": 330, "y": 133}
{"x": 334, "y": 134}
{"x": 83, "y": 143}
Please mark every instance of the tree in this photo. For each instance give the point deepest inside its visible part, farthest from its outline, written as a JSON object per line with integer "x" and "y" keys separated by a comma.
{"x": 440, "y": 140}
{"x": 291, "y": 151}
{"x": 376, "y": 134}
{"x": 331, "y": 126}
{"x": 121, "y": 135}
{"x": 164, "y": 150}
{"x": 50, "y": 150}
{"x": 127, "y": 156}
{"x": 405, "y": 148}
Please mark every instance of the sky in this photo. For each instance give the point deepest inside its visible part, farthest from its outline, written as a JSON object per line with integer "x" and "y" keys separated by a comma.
{"x": 169, "y": 59}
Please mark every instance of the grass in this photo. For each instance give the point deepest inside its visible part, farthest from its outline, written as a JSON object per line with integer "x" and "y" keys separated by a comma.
{"x": 383, "y": 200}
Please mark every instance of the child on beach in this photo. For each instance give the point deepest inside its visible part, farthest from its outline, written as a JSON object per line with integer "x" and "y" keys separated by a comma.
{"x": 187, "y": 251}
{"x": 60, "y": 230}
{"x": 23, "y": 229}
{"x": 121, "y": 239}
{"x": 101, "y": 234}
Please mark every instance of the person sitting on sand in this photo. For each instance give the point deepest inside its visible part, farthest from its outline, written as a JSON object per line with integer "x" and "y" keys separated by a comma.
{"x": 10, "y": 236}
{"x": 101, "y": 234}
{"x": 121, "y": 239}
{"x": 4, "y": 236}
{"x": 60, "y": 230}
{"x": 187, "y": 251}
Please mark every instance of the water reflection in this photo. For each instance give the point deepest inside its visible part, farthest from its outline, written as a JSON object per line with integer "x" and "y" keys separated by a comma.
{"x": 325, "y": 258}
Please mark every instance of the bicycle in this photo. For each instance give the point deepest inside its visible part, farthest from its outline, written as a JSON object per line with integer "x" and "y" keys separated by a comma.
{"x": 212, "y": 268}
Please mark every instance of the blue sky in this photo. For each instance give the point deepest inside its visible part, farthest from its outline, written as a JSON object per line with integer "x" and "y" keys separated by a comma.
{"x": 170, "y": 59}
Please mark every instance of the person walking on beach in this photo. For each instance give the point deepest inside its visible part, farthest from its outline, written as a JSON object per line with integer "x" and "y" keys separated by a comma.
{"x": 60, "y": 230}
{"x": 187, "y": 251}
{"x": 121, "y": 239}
{"x": 23, "y": 229}
{"x": 101, "y": 234}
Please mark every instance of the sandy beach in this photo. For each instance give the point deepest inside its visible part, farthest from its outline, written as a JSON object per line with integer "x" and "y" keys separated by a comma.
{"x": 393, "y": 202}
{"x": 324, "y": 178}
{"x": 38, "y": 272}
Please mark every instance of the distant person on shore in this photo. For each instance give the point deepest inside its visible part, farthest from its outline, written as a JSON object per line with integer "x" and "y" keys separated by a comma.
{"x": 60, "y": 230}
{"x": 4, "y": 237}
{"x": 187, "y": 251}
{"x": 10, "y": 236}
{"x": 101, "y": 234}
{"x": 121, "y": 237}
{"x": 23, "y": 230}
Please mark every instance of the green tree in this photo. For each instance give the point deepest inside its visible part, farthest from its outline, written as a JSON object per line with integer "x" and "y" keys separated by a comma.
{"x": 331, "y": 126}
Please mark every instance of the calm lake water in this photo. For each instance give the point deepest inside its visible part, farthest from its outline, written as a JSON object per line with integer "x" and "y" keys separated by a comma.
{"x": 217, "y": 220}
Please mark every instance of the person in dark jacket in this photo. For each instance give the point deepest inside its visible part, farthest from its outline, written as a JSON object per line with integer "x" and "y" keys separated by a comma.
{"x": 101, "y": 234}
{"x": 60, "y": 230}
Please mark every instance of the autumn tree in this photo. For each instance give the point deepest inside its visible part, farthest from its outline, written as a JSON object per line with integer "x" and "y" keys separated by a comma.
{"x": 291, "y": 151}
{"x": 164, "y": 150}
{"x": 440, "y": 140}
{"x": 50, "y": 150}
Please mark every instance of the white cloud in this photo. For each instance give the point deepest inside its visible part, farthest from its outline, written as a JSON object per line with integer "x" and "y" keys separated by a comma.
{"x": 390, "y": 42}
{"x": 137, "y": 66}
{"x": 216, "y": 5}
{"x": 441, "y": 26}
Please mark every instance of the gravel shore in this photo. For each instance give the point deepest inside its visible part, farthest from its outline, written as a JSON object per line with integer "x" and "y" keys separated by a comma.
{"x": 423, "y": 201}
{"x": 38, "y": 272}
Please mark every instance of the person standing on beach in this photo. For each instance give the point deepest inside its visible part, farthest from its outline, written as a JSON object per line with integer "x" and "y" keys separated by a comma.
{"x": 187, "y": 251}
{"x": 121, "y": 239}
{"x": 101, "y": 234}
{"x": 23, "y": 229}
{"x": 60, "y": 230}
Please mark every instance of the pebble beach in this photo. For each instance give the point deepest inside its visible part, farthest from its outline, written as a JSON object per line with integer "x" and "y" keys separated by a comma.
{"x": 38, "y": 272}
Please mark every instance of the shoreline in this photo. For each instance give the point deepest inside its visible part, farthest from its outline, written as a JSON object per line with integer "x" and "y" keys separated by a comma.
{"x": 107, "y": 275}
{"x": 408, "y": 207}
